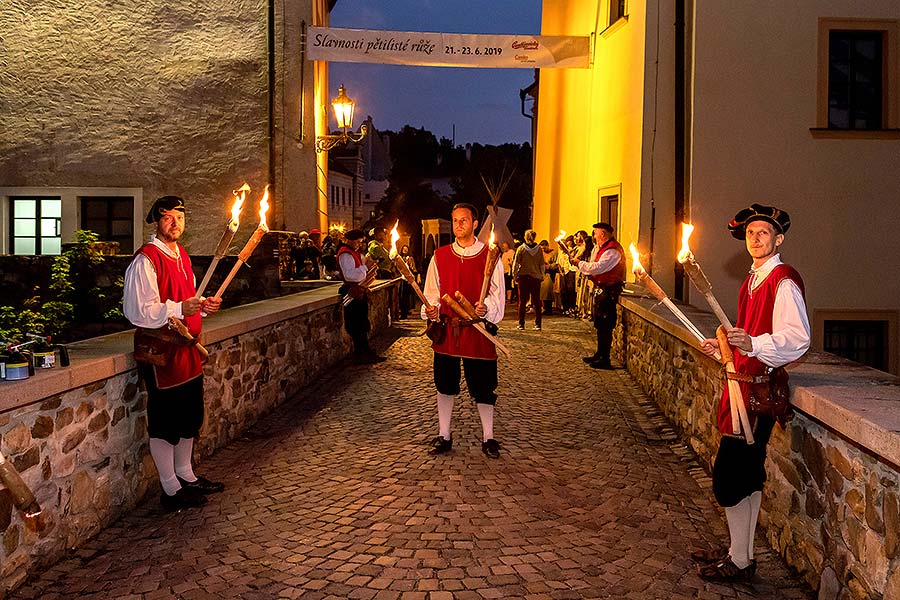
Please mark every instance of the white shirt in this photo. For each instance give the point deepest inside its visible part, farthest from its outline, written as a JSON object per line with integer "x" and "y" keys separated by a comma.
{"x": 141, "y": 303}
{"x": 596, "y": 266}
{"x": 351, "y": 272}
{"x": 495, "y": 301}
{"x": 789, "y": 339}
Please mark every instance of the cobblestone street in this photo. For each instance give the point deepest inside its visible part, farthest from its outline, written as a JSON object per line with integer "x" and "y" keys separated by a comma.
{"x": 334, "y": 496}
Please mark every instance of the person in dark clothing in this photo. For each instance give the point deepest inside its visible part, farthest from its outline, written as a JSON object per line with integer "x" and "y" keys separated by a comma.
{"x": 354, "y": 268}
{"x": 606, "y": 268}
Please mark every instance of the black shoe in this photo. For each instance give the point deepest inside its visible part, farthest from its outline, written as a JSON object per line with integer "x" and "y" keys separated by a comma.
{"x": 439, "y": 445}
{"x": 726, "y": 571}
{"x": 707, "y": 555}
{"x": 183, "y": 498}
{"x": 601, "y": 364}
{"x": 202, "y": 485}
{"x": 591, "y": 358}
{"x": 491, "y": 448}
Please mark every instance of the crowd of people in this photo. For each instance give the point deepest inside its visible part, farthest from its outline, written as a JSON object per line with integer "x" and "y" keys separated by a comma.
{"x": 582, "y": 276}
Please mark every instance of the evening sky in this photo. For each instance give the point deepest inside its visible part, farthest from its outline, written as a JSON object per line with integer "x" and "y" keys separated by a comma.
{"x": 483, "y": 103}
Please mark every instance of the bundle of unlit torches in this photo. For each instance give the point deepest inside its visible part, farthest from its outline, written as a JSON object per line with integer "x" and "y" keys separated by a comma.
{"x": 458, "y": 304}
{"x": 739, "y": 418}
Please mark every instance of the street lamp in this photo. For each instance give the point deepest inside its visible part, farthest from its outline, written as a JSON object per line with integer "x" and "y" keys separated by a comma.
{"x": 343, "y": 114}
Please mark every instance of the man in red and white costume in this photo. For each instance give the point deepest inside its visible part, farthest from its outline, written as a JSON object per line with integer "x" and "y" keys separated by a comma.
{"x": 160, "y": 284}
{"x": 460, "y": 267}
{"x": 606, "y": 268}
{"x": 772, "y": 330}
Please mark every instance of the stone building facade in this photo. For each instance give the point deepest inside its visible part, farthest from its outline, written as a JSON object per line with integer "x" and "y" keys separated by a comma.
{"x": 124, "y": 102}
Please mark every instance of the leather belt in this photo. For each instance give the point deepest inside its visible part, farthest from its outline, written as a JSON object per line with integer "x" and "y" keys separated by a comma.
{"x": 743, "y": 377}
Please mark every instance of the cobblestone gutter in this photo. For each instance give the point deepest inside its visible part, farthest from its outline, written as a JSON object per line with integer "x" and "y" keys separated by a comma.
{"x": 831, "y": 503}
{"x": 78, "y": 435}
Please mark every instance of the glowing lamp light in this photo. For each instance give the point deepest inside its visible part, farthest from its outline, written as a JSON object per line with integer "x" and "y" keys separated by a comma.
{"x": 343, "y": 114}
{"x": 343, "y": 109}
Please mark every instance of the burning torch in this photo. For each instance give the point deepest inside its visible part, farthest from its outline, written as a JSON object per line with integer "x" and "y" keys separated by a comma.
{"x": 261, "y": 230}
{"x": 489, "y": 266}
{"x": 402, "y": 267}
{"x": 697, "y": 276}
{"x": 642, "y": 276}
{"x": 222, "y": 249}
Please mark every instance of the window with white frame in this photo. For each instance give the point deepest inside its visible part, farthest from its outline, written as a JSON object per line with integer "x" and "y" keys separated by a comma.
{"x": 35, "y": 225}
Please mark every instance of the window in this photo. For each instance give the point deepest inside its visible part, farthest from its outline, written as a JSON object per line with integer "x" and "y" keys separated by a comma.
{"x": 616, "y": 11}
{"x": 858, "y": 81}
{"x": 608, "y": 205}
{"x": 861, "y": 341}
{"x": 112, "y": 217}
{"x": 865, "y": 336}
{"x": 855, "y": 79}
{"x": 36, "y": 225}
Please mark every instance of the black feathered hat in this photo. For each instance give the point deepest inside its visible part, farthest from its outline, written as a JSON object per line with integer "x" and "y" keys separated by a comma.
{"x": 779, "y": 219}
{"x": 166, "y": 203}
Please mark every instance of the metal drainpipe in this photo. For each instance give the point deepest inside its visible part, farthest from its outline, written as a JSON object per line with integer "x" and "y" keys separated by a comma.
{"x": 270, "y": 44}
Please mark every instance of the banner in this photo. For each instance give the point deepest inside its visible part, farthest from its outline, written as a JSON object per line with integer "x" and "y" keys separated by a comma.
{"x": 447, "y": 49}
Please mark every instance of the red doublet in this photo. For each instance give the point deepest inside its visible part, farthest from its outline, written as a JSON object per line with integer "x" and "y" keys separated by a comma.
{"x": 617, "y": 273}
{"x": 357, "y": 258}
{"x": 175, "y": 280}
{"x": 463, "y": 274}
{"x": 755, "y": 317}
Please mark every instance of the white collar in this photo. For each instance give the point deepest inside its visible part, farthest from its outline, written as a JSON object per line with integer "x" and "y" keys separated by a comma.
{"x": 155, "y": 241}
{"x": 470, "y": 251}
{"x": 761, "y": 272}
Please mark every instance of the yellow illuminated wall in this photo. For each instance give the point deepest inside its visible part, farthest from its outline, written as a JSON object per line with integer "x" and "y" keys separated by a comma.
{"x": 590, "y": 127}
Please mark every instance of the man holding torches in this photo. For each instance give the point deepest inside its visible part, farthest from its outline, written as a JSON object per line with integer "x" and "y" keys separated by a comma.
{"x": 772, "y": 330}
{"x": 461, "y": 267}
{"x": 606, "y": 268}
{"x": 159, "y": 293}
{"x": 357, "y": 272}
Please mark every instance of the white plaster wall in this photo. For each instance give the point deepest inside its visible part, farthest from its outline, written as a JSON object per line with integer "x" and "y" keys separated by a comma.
{"x": 754, "y": 103}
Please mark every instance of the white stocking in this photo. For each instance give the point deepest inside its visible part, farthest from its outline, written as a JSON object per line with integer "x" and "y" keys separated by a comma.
{"x": 183, "y": 452}
{"x": 486, "y": 412}
{"x": 755, "y": 501}
{"x": 163, "y": 454}
{"x": 445, "y": 412}
{"x": 738, "y": 517}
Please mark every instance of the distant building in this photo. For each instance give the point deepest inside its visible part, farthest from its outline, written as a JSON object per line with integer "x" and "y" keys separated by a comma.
{"x": 797, "y": 107}
{"x": 370, "y": 162}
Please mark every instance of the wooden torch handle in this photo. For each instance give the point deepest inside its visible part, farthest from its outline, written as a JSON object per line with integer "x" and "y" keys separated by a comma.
{"x": 724, "y": 346}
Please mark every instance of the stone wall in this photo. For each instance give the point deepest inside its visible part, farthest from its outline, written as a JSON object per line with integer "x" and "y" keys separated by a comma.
{"x": 830, "y": 506}
{"x": 78, "y": 435}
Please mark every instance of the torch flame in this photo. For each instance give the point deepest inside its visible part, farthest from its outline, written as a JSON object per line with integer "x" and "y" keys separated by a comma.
{"x": 491, "y": 239}
{"x": 638, "y": 268}
{"x": 263, "y": 209}
{"x": 685, "y": 253}
{"x": 395, "y": 236}
{"x": 561, "y": 236}
{"x": 239, "y": 196}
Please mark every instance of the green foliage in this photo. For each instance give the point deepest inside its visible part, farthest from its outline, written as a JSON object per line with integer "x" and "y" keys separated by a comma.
{"x": 73, "y": 301}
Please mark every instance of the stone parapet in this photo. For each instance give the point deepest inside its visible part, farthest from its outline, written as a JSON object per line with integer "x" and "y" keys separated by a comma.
{"x": 78, "y": 435}
{"x": 831, "y": 505}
